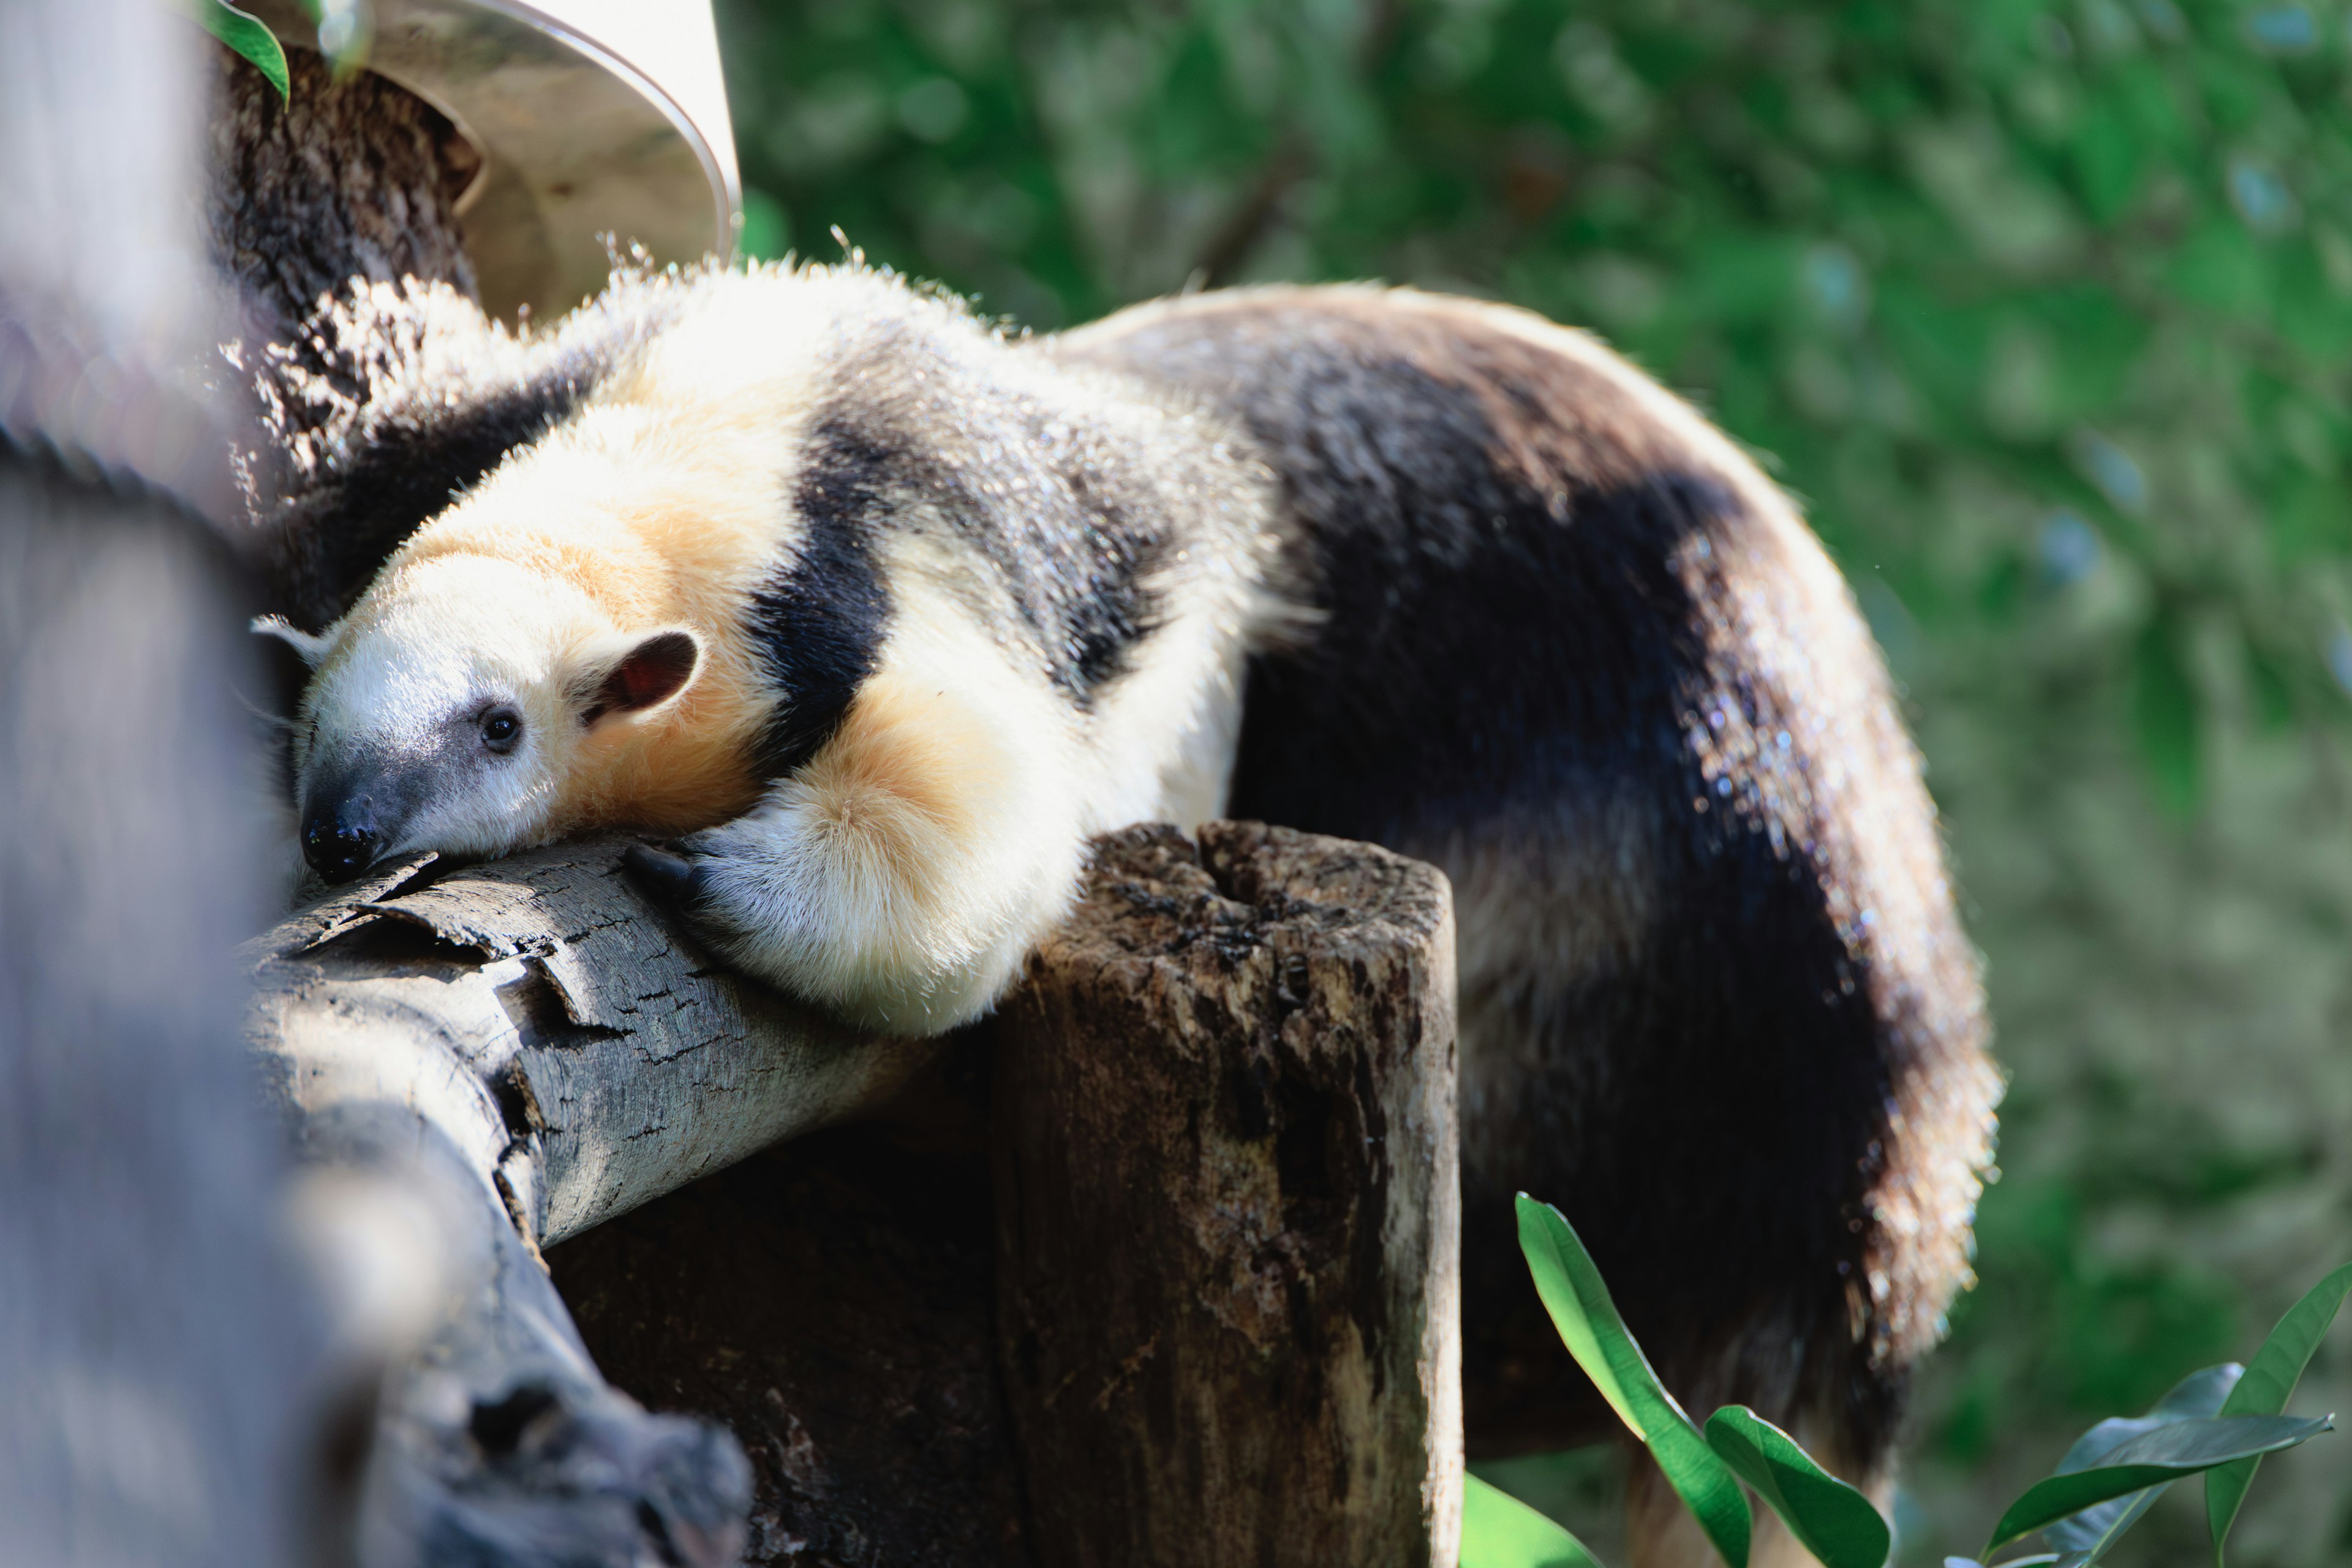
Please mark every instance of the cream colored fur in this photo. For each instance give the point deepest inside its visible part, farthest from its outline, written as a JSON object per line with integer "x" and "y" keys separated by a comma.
{"x": 903, "y": 874}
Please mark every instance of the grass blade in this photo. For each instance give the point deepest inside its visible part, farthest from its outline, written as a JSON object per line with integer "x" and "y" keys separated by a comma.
{"x": 1498, "y": 1531}
{"x": 1589, "y": 1325}
{"x": 2152, "y": 1459}
{"x": 1836, "y": 1523}
{"x": 2087, "y": 1536}
{"x": 2270, "y": 1379}
{"x": 246, "y": 35}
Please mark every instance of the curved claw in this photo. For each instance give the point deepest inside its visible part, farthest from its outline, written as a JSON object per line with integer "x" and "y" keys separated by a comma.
{"x": 665, "y": 878}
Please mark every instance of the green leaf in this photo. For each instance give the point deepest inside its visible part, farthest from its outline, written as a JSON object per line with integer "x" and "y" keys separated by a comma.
{"x": 1498, "y": 1531}
{"x": 767, "y": 231}
{"x": 2087, "y": 1536}
{"x": 1589, "y": 1325}
{"x": 2150, "y": 1459}
{"x": 2270, "y": 1378}
{"x": 246, "y": 35}
{"x": 1834, "y": 1522}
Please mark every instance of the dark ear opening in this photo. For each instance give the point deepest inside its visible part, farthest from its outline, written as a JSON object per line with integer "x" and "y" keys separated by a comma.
{"x": 656, "y": 670}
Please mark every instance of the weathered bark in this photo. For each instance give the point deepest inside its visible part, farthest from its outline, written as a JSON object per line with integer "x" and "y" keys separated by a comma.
{"x": 345, "y": 178}
{"x": 544, "y": 1019}
{"x": 835, "y": 1302}
{"x": 1227, "y": 1208}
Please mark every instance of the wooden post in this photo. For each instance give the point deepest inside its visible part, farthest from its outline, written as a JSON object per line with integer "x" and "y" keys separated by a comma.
{"x": 1227, "y": 1208}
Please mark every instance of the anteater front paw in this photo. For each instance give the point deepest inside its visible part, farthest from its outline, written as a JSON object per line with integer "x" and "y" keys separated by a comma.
{"x": 668, "y": 880}
{"x": 680, "y": 883}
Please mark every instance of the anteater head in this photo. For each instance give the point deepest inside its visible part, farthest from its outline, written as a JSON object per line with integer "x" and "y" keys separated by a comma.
{"x": 458, "y": 705}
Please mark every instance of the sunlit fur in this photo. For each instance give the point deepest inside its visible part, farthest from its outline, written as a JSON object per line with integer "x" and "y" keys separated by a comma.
{"x": 902, "y": 874}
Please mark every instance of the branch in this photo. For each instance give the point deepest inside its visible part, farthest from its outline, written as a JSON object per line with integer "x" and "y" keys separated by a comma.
{"x": 524, "y": 1045}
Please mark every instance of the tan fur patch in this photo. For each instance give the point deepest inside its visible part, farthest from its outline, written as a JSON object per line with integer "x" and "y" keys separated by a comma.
{"x": 892, "y": 791}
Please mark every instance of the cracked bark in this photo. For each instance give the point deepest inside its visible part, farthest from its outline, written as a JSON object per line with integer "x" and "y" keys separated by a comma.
{"x": 541, "y": 1014}
{"x": 343, "y": 178}
{"x": 525, "y": 1045}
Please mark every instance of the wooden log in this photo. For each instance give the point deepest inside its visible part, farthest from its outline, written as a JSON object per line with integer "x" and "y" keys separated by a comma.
{"x": 524, "y": 1047}
{"x": 1227, "y": 1208}
{"x": 545, "y": 1020}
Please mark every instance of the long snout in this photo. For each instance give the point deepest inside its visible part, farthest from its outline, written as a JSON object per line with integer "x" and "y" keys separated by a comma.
{"x": 344, "y": 842}
{"x": 353, "y": 817}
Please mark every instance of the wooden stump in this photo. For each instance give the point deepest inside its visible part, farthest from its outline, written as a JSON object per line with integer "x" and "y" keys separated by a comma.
{"x": 1227, "y": 1208}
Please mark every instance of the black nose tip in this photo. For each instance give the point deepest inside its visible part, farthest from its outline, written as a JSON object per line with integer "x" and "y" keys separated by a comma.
{"x": 339, "y": 848}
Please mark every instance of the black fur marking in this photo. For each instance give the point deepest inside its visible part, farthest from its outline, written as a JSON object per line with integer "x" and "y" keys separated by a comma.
{"x": 1065, "y": 520}
{"x": 1112, "y": 610}
{"x": 1072, "y": 555}
{"x": 819, "y": 626}
{"x": 1534, "y": 635}
{"x": 401, "y": 479}
{"x": 1553, "y": 652}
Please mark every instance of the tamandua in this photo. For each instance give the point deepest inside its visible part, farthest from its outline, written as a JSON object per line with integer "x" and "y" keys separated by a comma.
{"x": 878, "y": 613}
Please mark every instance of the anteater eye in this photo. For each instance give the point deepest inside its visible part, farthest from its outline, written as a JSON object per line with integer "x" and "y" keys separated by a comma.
{"x": 501, "y": 728}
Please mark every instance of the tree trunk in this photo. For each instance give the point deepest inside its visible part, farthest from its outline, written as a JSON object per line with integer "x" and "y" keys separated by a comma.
{"x": 1227, "y": 1209}
{"x": 343, "y": 178}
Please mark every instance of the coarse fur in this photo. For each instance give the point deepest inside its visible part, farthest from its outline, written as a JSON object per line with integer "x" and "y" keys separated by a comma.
{"x": 887, "y": 613}
{"x": 921, "y": 568}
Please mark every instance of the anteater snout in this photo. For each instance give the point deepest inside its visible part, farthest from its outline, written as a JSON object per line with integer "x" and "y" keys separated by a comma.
{"x": 342, "y": 842}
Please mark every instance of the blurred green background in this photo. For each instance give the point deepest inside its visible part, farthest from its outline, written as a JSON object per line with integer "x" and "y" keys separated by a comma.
{"x": 2044, "y": 312}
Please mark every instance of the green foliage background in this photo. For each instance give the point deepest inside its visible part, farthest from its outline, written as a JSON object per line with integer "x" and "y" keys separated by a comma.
{"x": 2043, "y": 310}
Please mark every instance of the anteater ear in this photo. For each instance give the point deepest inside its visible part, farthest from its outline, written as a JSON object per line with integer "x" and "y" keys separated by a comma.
{"x": 648, "y": 673}
{"x": 311, "y": 646}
